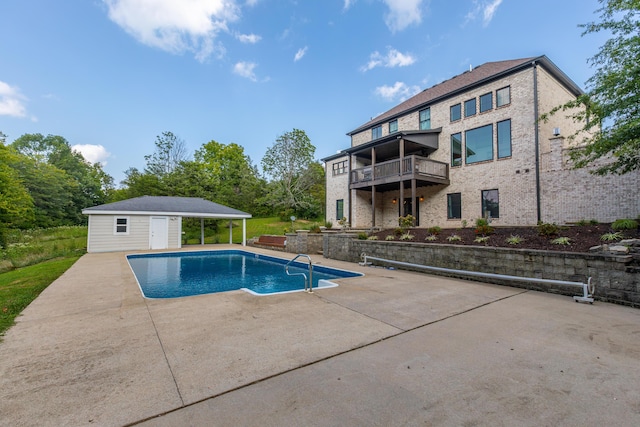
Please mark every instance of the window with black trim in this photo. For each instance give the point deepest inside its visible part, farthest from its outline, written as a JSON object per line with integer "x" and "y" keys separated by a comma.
{"x": 455, "y": 112}
{"x": 425, "y": 119}
{"x": 490, "y": 204}
{"x": 504, "y": 139}
{"x": 339, "y": 209}
{"x": 121, "y": 225}
{"x": 456, "y": 149}
{"x": 454, "y": 206}
{"x": 393, "y": 126}
{"x": 340, "y": 168}
{"x": 376, "y": 132}
{"x": 479, "y": 144}
{"x": 503, "y": 96}
{"x": 486, "y": 102}
{"x": 470, "y": 107}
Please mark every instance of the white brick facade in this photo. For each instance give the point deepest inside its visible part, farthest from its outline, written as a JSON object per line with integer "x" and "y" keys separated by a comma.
{"x": 565, "y": 195}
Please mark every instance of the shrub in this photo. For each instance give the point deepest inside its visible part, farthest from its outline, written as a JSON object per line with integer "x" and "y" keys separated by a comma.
{"x": 434, "y": 230}
{"x": 624, "y": 224}
{"x": 481, "y": 239}
{"x": 315, "y": 228}
{"x": 514, "y": 240}
{"x": 362, "y": 236}
{"x": 454, "y": 238}
{"x": 398, "y": 231}
{"x": 611, "y": 237}
{"x": 464, "y": 223}
{"x": 431, "y": 238}
{"x": 582, "y": 223}
{"x": 372, "y": 238}
{"x": 561, "y": 241}
{"x": 593, "y": 222}
{"x": 390, "y": 237}
{"x": 406, "y": 221}
{"x": 407, "y": 236}
{"x": 343, "y": 222}
{"x": 483, "y": 228}
{"x": 547, "y": 229}
{"x": 328, "y": 224}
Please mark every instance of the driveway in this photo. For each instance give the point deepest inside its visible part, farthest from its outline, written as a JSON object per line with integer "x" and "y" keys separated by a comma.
{"x": 389, "y": 348}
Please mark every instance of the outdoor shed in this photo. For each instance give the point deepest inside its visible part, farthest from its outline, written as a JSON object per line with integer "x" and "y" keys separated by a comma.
{"x": 152, "y": 222}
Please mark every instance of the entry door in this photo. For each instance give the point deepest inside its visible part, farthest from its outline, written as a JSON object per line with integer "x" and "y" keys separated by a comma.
{"x": 408, "y": 209}
{"x": 159, "y": 238}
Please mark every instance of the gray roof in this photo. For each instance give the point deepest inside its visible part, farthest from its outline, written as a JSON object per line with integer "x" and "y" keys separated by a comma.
{"x": 480, "y": 75}
{"x": 165, "y": 205}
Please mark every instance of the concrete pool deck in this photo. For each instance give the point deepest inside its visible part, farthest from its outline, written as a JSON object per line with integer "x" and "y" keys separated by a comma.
{"x": 390, "y": 348}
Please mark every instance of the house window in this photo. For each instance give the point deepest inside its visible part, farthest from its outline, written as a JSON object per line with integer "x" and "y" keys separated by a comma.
{"x": 470, "y": 107}
{"x": 339, "y": 209}
{"x": 486, "y": 102}
{"x": 490, "y": 204}
{"x": 340, "y": 168}
{"x": 479, "y": 144}
{"x": 393, "y": 126}
{"x": 456, "y": 149}
{"x": 376, "y": 132}
{"x": 121, "y": 225}
{"x": 455, "y": 112}
{"x": 503, "y": 96}
{"x": 504, "y": 139}
{"x": 454, "y": 206}
{"x": 425, "y": 119}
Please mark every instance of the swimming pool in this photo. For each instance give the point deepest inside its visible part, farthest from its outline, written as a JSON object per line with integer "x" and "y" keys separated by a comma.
{"x": 180, "y": 274}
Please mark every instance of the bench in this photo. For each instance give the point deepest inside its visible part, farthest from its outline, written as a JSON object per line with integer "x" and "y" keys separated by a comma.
{"x": 272, "y": 241}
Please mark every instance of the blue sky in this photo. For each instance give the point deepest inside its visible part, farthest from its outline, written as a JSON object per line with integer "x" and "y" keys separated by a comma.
{"x": 111, "y": 75}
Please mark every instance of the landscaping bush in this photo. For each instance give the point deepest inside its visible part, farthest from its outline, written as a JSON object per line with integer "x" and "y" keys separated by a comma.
{"x": 434, "y": 231}
{"x": 547, "y": 229}
{"x": 483, "y": 228}
{"x": 624, "y": 224}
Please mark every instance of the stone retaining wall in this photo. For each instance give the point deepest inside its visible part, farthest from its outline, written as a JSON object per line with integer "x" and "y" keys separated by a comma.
{"x": 616, "y": 277}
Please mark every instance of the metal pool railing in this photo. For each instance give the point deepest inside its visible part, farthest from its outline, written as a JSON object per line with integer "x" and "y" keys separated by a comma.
{"x": 308, "y": 283}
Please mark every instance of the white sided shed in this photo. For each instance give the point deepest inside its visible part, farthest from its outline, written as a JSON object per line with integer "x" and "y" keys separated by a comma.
{"x": 151, "y": 222}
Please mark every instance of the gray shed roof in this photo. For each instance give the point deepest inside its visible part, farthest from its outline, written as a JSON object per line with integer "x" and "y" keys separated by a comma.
{"x": 165, "y": 205}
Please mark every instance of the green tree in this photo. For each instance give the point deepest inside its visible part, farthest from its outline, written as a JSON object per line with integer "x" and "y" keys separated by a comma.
{"x": 16, "y": 204}
{"x": 610, "y": 109}
{"x": 169, "y": 153}
{"x": 287, "y": 165}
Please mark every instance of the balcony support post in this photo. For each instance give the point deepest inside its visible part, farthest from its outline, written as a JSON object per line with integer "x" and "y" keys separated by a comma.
{"x": 401, "y": 201}
{"x": 373, "y": 187}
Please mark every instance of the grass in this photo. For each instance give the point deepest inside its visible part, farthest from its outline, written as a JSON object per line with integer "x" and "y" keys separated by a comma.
{"x": 255, "y": 228}
{"x": 21, "y": 286}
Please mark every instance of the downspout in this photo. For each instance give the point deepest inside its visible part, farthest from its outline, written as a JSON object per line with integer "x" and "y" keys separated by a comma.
{"x": 537, "y": 137}
{"x": 349, "y": 192}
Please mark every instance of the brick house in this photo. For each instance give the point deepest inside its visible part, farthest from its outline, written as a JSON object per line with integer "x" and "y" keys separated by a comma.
{"x": 471, "y": 147}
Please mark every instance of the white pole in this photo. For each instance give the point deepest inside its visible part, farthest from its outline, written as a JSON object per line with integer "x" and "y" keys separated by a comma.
{"x": 244, "y": 232}
{"x": 230, "y": 231}
{"x": 202, "y": 231}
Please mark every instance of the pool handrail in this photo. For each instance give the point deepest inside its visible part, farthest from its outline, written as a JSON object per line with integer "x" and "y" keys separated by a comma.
{"x": 308, "y": 288}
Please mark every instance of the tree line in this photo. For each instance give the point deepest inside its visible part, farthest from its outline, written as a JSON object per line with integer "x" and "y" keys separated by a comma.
{"x": 45, "y": 183}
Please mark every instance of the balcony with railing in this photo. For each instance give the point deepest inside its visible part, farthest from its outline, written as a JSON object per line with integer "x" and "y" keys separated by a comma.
{"x": 425, "y": 171}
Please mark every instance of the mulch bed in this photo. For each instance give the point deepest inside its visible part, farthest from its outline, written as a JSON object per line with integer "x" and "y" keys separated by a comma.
{"x": 582, "y": 237}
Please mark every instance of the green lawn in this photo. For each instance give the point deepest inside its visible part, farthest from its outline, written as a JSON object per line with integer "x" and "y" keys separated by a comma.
{"x": 21, "y": 286}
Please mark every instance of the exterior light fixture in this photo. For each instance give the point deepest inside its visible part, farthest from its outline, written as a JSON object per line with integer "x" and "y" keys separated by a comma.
{"x": 394, "y": 201}
{"x": 422, "y": 198}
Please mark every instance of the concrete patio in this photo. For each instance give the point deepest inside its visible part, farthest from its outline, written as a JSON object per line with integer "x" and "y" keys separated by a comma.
{"x": 389, "y": 348}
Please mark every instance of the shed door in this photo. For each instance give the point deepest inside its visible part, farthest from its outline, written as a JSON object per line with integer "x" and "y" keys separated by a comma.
{"x": 159, "y": 238}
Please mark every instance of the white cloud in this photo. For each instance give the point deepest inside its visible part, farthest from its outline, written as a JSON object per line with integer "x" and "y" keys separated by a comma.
{"x": 11, "y": 101}
{"x": 175, "y": 26}
{"x": 393, "y": 58}
{"x": 402, "y": 13}
{"x": 245, "y": 69}
{"x": 399, "y": 91}
{"x": 486, "y": 8}
{"x": 249, "y": 38}
{"x": 300, "y": 54}
{"x": 348, "y": 3}
{"x": 92, "y": 153}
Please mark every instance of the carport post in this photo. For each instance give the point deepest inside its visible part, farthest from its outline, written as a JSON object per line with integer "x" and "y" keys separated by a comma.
{"x": 230, "y": 231}
{"x": 244, "y": 232}
{"x": 202, "y": 231}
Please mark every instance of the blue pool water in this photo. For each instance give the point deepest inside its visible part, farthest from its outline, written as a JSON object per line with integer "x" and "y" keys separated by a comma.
{"x": 180, "y": 274}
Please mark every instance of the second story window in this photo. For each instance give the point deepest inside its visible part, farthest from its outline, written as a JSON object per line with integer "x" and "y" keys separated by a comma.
{"x": 503, "y": 96}
{"x": 455, "y": 112}
{"x": 340, "y": 167}
{"x": 425, "y": 119}
{"x": 470, "y": 107}
{"x": 376, "y": 132}
{"x": 486, "y": 102}
{"x": 393, "y": 126}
